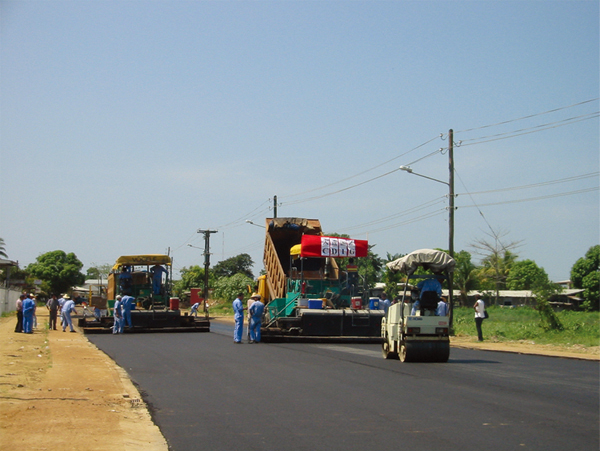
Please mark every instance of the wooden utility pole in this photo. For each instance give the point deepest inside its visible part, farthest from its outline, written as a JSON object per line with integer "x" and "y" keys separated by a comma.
{"x": 206, "y": 264}
{"x": 274, "y": 206}
{"x": 451, "y": 220}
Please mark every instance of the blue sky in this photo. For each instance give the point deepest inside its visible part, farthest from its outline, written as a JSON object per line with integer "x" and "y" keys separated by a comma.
{"x": 126, "y": 126}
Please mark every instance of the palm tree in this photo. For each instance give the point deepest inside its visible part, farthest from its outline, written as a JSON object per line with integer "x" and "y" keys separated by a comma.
{"x": 2, "y": 249}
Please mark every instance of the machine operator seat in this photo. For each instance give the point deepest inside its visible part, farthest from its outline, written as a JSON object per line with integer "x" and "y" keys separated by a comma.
{"x": 428, "y": 303}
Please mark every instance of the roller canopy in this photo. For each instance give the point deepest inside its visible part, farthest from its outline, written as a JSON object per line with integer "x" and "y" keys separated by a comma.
{"x": 330, "y": 246}
{"x": 437, "y": 261}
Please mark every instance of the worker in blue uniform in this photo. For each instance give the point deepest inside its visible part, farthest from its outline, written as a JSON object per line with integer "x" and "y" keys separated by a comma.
{"x": 65, "y": 313}
{"x": 118, "y": 316}
{"x": 238, "y": 316}
{"x": 256, "y": 312}
{"x": 157, "y": 272}
{"x": 194, "y": 311}
{"x": 127, "y": 303}
{"x": 28, "y": 307}
{"x": 125, "y": 280}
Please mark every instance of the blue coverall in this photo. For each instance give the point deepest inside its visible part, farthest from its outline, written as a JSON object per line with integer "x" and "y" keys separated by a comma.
{"x": 238, "y": 310}
{"x": 28, "y": 306}
{"x": 157, "y": 272}
{"x": 118, "y": 318}
{"x": 126, "y": 305}
{"x": 256, "y": 312}
{"x": 194, "y": 310}
{"x": 67, "y": 308}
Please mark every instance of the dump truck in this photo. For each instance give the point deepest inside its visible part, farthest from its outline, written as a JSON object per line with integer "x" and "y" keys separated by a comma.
{"x": 308, "y": 298}
{"x": 413, "y": 330}
{"x": 147, "y": 278}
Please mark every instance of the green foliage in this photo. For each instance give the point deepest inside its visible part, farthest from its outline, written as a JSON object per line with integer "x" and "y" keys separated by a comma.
{"x": 526, "y": 275}
{"x": 192, "y": 277}
{"x": 523, "y": 323}
{"x": 227, "y": 288}
{"x": 60, "y": 270}
{"x": 98, "y": 272}
{"x": 585, "y": 274}
{"x": 240, "y": 264}
{"x": 370, "y": 268}
{"x": 391, "y": 278}
{"x": 465, "y": 275}
{"x": 542, "y": 293}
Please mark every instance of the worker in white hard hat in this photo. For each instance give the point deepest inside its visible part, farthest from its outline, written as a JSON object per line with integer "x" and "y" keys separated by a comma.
{"x": 256, "y": 312}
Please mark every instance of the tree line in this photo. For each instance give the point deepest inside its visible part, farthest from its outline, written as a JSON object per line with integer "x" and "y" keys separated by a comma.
{"x": 499, "y": 269}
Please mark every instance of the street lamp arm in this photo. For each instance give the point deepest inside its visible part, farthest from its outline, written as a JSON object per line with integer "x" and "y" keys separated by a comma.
{"x": 410, "y": 171}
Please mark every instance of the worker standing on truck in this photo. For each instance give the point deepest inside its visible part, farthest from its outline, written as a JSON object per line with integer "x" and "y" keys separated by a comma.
{"x": 157, "y": 272}
{"x": 238, "y": 316}
{"x": 125, "y": 280}
{"x": 255, "y": 311}
{"x": 127, "y": 303}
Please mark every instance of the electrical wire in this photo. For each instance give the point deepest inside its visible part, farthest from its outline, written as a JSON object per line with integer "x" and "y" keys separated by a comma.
{"x": 363, "y": 172}
{"x": 535, "y": 185}
{"x": 528, "y": 117}
{"x": 549, "y": 196}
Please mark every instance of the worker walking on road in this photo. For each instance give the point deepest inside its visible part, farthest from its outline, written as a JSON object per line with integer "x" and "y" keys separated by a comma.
{"x": 238, "y": 316}
{"x": 65, "y": 314}
{"x": 194, "y": 310}
{"x": 256, "y": 311}
{"x": 118, "y": 316}
{"x": 127, "y": 303}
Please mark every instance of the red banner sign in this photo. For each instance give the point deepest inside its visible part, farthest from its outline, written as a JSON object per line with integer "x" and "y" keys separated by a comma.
{"x": 330, "y": 246}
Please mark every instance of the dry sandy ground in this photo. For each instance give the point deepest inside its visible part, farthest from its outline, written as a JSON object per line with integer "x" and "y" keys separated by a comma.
{"x": 73, "y": 397}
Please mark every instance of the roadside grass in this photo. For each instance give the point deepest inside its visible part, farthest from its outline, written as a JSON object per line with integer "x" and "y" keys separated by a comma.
{"x": 525, "y": 324}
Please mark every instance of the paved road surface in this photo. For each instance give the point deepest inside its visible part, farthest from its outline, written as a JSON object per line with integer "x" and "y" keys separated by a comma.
{"x": 208, "y": 393}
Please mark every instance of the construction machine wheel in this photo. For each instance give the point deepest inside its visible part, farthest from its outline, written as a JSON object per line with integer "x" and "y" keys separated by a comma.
{"x": 407, "y": 352}
{"x": 427, "y": 351}
{"x": 386, "y": 350}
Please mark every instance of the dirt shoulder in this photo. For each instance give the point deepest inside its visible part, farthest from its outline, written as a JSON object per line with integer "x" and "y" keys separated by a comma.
{"x": 73, "y": 393}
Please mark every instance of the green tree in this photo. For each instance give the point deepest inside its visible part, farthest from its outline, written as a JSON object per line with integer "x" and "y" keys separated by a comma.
{"x": 227, "y": 288}
{"x": 370, "y": 268}
{"x": 60, "y": 270}
{"x": 543, "y": 291}
{"x": 390, "y": 278}
{"x": 497, "y": 260}
{"x": 192, "y": 277}
{"x": 585, "y": 274}
{"x": 465, "y": 275}
{"x": 98, "y": 272}
{"x": 526, "y": 275}
{"x": 240, "y": 264}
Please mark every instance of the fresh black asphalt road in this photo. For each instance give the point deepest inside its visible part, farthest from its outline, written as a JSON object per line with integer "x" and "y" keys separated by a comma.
{"x": 206, "y": 393}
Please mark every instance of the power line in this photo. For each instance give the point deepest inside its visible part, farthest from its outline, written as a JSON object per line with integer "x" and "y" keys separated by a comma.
{"x": 531, "y": 199}
{"x": 527, "y": 117}
{"x": 536, "y": 185}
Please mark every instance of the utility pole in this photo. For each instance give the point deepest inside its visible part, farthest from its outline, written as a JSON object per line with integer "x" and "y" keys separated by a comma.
{"x": 274, "y": 206}
{"x": 451, "y": 220}
{"x": 206, "y": 263}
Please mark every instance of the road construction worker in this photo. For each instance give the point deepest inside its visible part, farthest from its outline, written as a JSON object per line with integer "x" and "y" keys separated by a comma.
{"x": 125, "y": 280}
{"x": 157, "y": 272}
{"x": 28, "y": 309}
{"x": 194, "y": 310}
{"x": 65, "y": 313}
{"x": 127, "y": 303}
{"x": 118, "y": 316}
{"x": 256, "y": 312}
{"x": 238, "y": 316}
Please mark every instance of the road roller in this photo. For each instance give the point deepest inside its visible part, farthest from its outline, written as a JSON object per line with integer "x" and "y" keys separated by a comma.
{"x": 417, "y": 328}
